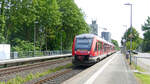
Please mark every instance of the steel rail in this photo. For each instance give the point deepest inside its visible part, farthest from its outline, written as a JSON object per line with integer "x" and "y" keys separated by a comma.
{"x": 53, "y": 76}
{"x": 10, "y": 70}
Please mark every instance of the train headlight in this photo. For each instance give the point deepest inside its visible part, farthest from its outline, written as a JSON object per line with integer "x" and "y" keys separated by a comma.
{"x": 75, "y": 52}
{"x": 88, "y": 52}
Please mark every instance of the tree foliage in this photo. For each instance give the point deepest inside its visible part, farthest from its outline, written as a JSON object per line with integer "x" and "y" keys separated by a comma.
{"x": 73, "y": 22}
{"x": 115, "y": 43}
{"x": 136, "y": 40}
{"x": 146, "y": 40}
{"x": 2, "y": 21}
{"x": 50, "y": 20}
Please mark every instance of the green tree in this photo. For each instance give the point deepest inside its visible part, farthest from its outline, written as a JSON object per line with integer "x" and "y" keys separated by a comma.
{"x": 134, "y": 45}
{"x": 115, "y": 43}
{"x": 73, "y": 22}
{"x": 2, "y": 21}
{"x": 55, "y": 26}
{"x": 146, "y": 40}
{"x": 49, "y": 19}
{"x": 136, "y": 40}
{"x": 21, "y": 20}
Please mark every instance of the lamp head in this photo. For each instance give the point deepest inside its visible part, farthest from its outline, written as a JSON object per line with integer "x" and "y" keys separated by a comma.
{"x": 127, "y": 4}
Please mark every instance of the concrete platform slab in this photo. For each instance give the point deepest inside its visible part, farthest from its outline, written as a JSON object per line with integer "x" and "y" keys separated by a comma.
{"x": 112, "y": 70}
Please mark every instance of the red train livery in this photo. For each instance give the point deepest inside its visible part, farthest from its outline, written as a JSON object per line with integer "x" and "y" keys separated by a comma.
{"x": 87, "y": 49}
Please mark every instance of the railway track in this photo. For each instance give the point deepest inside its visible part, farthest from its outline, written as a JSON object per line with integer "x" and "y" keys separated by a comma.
{"x": 59, "y": 76}
{"x": 10, "y": 70}
{"x": 53, "y": 77}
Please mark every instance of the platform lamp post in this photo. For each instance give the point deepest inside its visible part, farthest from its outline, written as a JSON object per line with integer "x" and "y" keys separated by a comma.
{"x": 130, "y": 29}
{"x": 35, "y": 36}
{"x": 61, "y": 40}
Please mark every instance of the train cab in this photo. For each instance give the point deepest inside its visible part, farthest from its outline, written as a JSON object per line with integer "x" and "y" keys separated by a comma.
{"x": 87, "y": 49}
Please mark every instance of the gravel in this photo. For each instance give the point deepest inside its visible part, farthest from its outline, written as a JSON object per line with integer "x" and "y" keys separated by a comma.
{"x": 58, "y": 80}
{"x": 61, "y": 78}
{"x": 33, "y": 71}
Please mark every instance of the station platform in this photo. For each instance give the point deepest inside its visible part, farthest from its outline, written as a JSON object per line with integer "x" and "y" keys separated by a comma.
{"x": 112, "y": 70}
{"x": 10, "y": 61}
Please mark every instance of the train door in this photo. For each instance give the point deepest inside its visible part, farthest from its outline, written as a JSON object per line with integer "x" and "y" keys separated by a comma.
{"x": 99, "y": 48}
{"x": 105, "y": 48}
{"x": 96, "y": 49}
{"x": 108, "y": 48}
{"x": 102, "y": 48}
{"x": 73, "y": 47}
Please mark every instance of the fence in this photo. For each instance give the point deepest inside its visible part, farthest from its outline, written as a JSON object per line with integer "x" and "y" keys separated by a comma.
{"x": 142, "y": 61}
{"x": 27, "y": 54}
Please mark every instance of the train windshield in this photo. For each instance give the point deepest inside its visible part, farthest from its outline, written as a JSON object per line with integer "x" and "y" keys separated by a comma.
{"x": 83, "y": 43}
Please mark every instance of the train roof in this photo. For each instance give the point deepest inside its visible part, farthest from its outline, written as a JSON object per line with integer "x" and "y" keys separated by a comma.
{"x": 92, "y": 36}
{"x": 85, "y": 35}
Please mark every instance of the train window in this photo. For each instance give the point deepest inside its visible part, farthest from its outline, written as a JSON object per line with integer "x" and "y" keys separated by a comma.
{"x": 83, "y": 43}
{"x": 96, "y": 47}
{"x": 99, "y": 46}
{"x": 105, "y": 47}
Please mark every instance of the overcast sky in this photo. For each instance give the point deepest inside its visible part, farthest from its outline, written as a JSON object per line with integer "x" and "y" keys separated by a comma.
{"x": 113, "y": 14}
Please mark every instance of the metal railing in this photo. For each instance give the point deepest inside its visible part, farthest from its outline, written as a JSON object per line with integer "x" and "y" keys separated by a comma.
{"x": 27, "y": 54}
{"x": 139, "y": 61}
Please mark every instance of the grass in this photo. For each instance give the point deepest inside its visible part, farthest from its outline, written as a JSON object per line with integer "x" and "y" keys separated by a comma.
{"x": 134, "y": 66}
{"x": 142, "y": 78}
{"x": 140, "y": 69}
{"x": 21, "y": 80}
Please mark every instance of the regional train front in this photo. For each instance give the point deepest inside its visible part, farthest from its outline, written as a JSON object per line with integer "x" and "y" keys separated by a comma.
{"x": 81, "y": 50}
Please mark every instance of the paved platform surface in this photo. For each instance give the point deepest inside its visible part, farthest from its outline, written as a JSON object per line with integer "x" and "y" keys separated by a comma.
{"x": 112, "y": 70}
{"x": 9, "y": 61}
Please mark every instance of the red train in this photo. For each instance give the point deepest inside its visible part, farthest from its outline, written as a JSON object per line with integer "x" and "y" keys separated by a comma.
{"x": 87, "y": 49}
